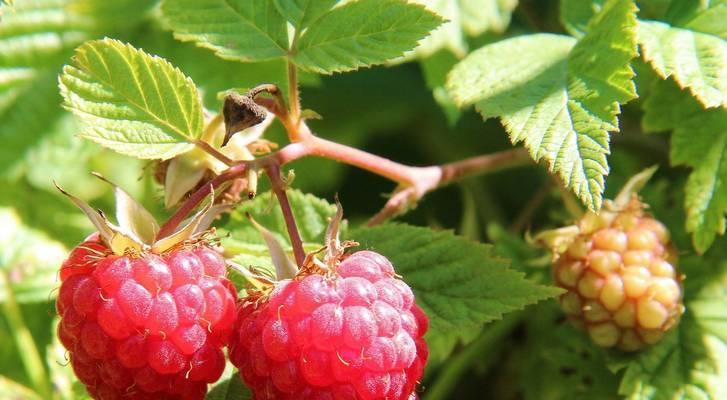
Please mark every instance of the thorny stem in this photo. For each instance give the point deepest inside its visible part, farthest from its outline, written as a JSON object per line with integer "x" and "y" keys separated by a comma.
{"x": 278, "y": 186}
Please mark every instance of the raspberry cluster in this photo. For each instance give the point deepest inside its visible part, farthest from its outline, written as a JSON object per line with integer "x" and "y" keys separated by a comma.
{"x": 620, "y": 277}
{"x": 354, "y": 334}
{"x": 145, "y": 327}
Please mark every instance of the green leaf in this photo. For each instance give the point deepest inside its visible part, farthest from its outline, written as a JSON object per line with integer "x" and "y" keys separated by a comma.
{"x": 57, "y": 218}
{"x": 462, "y": 18}
{"x": 35, "y": 37}
{"x": 29, "y": 258}
{"x": 667, "y": 106}
{"x": 106, "y": 14}
{"x": 131, "y": 102}
{"x": 449, "y": 35}
{"x": 460, "y": 284}
{"x": 560, "y": 361}
{"x": 196, "y": 62}
{"x": 244, "y": 30}
{"x": 558, "y": 96}
{"x": 575, "y": 14}
{"x": 691, "y": 361}
{"x": 435, "y": 69}
{"x": 241, "y": 239}
{"x": 38, "y": 33}
{"x": 702, "y": 144}
{"x": 711, "y": 20}
{"x": 699, "y": 140}
{"x": 696, "y": 61}
{"x": 229, "y": 388}
{"x": 301, "y": 13}
{"x": 363, "y": 33}
{"x": 479, "y": 16}
{"x": 24, "y": 124}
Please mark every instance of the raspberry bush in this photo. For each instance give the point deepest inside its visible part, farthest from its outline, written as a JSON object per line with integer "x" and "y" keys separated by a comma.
{"x": 247, "y": 251}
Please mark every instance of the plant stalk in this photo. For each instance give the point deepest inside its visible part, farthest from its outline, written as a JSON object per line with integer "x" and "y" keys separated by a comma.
{"x": 414, "y": 182}
{"x": 279, "y": 189}
{"x": 198, "y": 196}
{"x": 214, "y": 152}
{"x": 28, "y": 351}
{"x": 294, "y": 100}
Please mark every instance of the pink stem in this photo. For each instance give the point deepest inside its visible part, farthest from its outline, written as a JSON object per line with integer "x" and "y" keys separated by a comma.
{"x": 279, "y": 190}
{"x": 415, "y": 181}
{"x": 197, "y": 197}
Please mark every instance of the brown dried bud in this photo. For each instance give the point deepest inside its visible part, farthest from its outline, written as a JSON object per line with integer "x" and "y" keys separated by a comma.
{"x": 241, "y": 112}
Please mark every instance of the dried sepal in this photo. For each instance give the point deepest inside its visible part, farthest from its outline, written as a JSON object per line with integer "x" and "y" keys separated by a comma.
{"x": 284, "y": 267}
{"x": 117, "y": 239}
{"x": 259, "y": 282}
{"x": 633, "y": 186}
{"x": 131, "y": 215}
{"x": 556, "y": 239}
{"x": 208, "y": 218}
{"x": 189, "y": 229}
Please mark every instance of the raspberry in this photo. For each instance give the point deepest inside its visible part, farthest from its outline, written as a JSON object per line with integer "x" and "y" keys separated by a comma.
{"x": 145, "y": 326}
{"x": 620, "y": 276}
{"x": 355, "y": 333}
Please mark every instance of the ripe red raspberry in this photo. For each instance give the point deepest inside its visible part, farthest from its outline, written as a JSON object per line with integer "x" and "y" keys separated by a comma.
{"x": 148, "y": 326}
{"x": 352, "y": 334}
{"x": 620, "y": 277}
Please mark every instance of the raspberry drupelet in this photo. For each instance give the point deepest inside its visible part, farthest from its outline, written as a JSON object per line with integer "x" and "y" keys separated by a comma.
{"x": 354, "y": 333}
{"x": 621, "y": 278}
{"x": 149, "y": 326}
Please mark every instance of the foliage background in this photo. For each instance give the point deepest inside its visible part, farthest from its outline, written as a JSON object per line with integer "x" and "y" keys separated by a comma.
{"x": 404, "y": 112}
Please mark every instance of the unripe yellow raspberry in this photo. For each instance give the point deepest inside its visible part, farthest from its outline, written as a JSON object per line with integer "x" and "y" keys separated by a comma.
{"x": 621, "y": 280}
